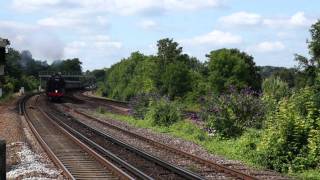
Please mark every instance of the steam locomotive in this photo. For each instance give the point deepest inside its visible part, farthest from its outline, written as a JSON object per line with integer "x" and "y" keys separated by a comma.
{"x": 55, "y": 88}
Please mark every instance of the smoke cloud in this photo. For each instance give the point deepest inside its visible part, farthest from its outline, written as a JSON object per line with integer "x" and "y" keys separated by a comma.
{"x": 43, "y": 44}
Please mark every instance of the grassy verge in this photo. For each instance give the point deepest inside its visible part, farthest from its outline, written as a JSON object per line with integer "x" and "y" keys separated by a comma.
{"x": 239, "y": 149}
{"x": 242, "y": 149}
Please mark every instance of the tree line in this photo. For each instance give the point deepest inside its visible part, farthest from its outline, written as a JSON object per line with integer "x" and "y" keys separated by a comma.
{"x": 273, "y": 110}
{"x": 175, "y": 74}
{"x": 21, "y": 70}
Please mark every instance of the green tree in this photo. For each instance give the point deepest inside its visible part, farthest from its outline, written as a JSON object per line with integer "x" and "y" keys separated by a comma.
{"x": 176, "y": 80}
{"x": 73, "y": 65}
{"x": 99, "y": 74}
{"x": 314, "y": 43}
{"x": 13, "y": 64}
{"x": 309, "y": 68}
{"x": 130, "y": 76}
{"x": 68, "y": 65}
{"x": 230, "y": 67}
{"x": 287, "y": 75}
{"x": 168, "y": 52}
{"x": 172, "y": 75}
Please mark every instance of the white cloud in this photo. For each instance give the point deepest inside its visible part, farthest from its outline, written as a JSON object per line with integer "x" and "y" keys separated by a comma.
{"x": 148, "y": 24}
{"x": 97, "y": 45}
{"x": 74, "y": 18}
{"x": 102, "y": 20}
{"x": 297, "y": 20}
{"x": 73, "y": 49}
{"x": 104, "y": 42}
{"x": 214, "y": 37}
{"x": 60, "y": 22}
{"x": 190, "y": 4}
{"x": 91, "y": 43}
{"x": 124, "y": 7}
{"x": 30, "y": 5}
{"x": 95, "y": 51}
{"x": 268, "y": 46}
{"x": 241, "y": 18}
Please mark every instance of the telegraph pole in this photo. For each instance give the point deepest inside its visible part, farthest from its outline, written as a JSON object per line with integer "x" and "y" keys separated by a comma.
{"x": 3, "y": 44}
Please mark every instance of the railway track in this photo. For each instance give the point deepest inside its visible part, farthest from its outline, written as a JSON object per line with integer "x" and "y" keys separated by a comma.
{"x": 207, "y": 169}
{"x": 85, "y": 153}
{"x": 76, "y": 159}
{"x": 122, "y": 107}
{"x": 118, "y": 107}
{"x": 237, "y": 170}
{"x": 151, "y": 166}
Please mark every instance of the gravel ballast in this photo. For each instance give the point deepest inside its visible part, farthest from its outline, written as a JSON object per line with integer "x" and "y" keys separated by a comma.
{"x": 180, "y": 144}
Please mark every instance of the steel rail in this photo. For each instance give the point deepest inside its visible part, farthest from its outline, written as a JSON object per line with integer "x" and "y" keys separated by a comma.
{"x": 180, "y": 171}
{"x": 115, "y": 170}
{"x": 102, "y": 150}
{"x": 44, "y": 145}
{"x": 125, "y": 104}
{"x": 219, "y": 167}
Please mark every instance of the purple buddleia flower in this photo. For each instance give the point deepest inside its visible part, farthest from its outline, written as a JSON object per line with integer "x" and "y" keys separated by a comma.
{"x": 230, "y": 113}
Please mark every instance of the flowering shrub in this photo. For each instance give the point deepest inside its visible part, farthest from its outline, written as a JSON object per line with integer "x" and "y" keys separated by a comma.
{"x": 230, "y": 114}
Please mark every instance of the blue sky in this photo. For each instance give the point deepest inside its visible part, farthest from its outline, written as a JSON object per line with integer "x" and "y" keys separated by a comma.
{"x": 102, "y": 32}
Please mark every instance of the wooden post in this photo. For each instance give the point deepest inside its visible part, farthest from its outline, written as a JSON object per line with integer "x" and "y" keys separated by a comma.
{"x": 2, "y": 159}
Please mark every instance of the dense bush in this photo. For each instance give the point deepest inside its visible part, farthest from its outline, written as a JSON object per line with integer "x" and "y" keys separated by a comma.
{"x": 231, "y": 113}
{"x": 275, "y": 88}
{"x": 140, "y": 103}
{"x": 10, "y": 84}
{"x": 13, "y": 85}
{"x": 164, "y": 112}
{"x": 130, "y": 77}
{"x": 29, "y": 83}
{"x": 176, "y": 80}
{"x": 291, "y": 141}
